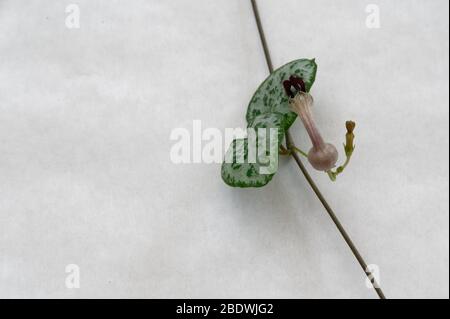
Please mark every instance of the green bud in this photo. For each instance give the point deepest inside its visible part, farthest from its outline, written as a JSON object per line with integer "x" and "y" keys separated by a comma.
{"x": 349, "y": 137}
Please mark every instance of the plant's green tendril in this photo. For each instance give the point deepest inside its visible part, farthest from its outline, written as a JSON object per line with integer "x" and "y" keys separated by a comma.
{"x": 285, "y": 151}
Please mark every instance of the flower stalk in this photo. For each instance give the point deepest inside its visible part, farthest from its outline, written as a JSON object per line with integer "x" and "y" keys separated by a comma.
{"x": 349, "y": 147}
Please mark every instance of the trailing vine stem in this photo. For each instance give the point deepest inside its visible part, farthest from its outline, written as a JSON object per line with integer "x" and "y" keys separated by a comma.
{"x": 290, "y": 146}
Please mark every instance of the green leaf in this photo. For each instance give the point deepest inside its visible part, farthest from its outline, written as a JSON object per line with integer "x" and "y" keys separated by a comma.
{"x": 270, "y": 120}
{"x": 270, "y": 96}
{"x": 242, "y": 174}
{"x": 268, "y": 108}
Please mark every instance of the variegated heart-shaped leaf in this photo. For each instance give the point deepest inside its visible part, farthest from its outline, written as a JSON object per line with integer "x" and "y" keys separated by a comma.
{"x": 268, "y": 108}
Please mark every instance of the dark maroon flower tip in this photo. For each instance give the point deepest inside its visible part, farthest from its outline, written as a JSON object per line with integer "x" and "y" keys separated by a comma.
{"x": 296, "y": 83}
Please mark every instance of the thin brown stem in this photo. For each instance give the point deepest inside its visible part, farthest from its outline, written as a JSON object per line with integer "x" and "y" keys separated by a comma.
{"x": 262, "y": 36}
{"x": 290, "y": 146}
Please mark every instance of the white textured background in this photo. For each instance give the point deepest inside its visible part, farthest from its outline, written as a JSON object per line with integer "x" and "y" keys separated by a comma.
{"x": 85, "y": 174}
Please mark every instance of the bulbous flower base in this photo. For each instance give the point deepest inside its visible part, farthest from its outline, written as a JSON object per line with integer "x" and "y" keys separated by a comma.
{"x": 323, "y": 158}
